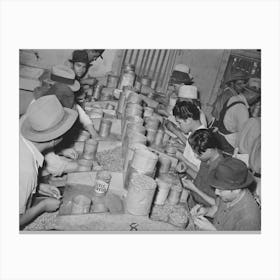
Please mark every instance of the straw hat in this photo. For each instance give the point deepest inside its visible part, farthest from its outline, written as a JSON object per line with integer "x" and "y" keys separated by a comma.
{"x": 65, "y": 75}
{"x": 182, "y": 68}
{"x": 46, "y": 119}
{"x": 230, "y": 174}
{"x": 188, "y": 92}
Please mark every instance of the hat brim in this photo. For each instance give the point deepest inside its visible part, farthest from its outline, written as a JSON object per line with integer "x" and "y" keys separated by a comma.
{"x": 217, "y": 184}
{"x": 63, "y": 126}
{"x": 236, "y": 79}
{"x": 75, "y": 87}
{"x": 73, "y": 61}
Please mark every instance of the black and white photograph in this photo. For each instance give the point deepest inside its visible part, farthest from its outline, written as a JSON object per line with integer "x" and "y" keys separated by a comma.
{"x": 140, "y": 140}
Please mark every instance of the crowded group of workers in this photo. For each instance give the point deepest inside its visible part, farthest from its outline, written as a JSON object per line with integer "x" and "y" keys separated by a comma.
{"x": 220, "y": 156}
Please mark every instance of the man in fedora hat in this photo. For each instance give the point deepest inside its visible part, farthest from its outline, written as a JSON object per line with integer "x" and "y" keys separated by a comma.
{"x": 235, "y": 208}
{"x": 80, "y": 64}
{"x": 41, "y": 128}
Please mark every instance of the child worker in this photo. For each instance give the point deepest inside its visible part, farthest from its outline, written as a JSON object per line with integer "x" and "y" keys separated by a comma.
{"x": 205, "y": 148}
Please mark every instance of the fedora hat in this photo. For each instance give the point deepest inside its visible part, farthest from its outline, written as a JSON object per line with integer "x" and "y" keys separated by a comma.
{"x": 63, "y": 93}
{"x": 236, "y": 76}
{"x": 65, "y": 75}
{"x": 80, "y": 56}
{"x": 230, "y": 174}
{"x": 46, "y": 119}
{"x": 188, "y": 92}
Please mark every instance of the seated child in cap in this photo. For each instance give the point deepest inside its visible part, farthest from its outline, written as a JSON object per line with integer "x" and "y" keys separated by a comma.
{"x": 205, "y": 147}
{"x": 235, "y": 208}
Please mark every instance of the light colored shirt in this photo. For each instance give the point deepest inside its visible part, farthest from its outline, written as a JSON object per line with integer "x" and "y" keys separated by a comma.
{"x": 189, "y": 153}
{"x": 235, "y": 118}
{"x": 30, "y": 159}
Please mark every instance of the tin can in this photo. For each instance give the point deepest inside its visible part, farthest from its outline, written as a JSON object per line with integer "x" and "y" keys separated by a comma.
{"x": 102, "y": 182}
{"x": 112, "y": 81}
{"x": 140, "y": 195}
{"x": 158, "y": 138}
{"x": 121, "y": 103}
{"x": 146, "y": 81}
{"x": 127, "y": 79}
{"x": 105, "y": 128}
{"x": 164, "y": 164}
{"x": 129, "y": 67}
{"x": 175, "y": 193}
{"x": 97, "y": 91}
{"x": 106, "y": 94}
{"x": 90, "y": 149}
{"x": 163, "y": 191}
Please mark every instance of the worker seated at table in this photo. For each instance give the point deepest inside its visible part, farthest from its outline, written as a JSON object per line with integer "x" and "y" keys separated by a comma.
{"x": 41, "y": 129}
{"x": 187, "y": 115}
{"x": 80, "y": 64}
{"x": 235, "y": 209}
{"x": 205, "y": 147}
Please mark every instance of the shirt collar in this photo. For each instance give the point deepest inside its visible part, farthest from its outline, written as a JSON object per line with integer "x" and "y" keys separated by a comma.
{"x": 39, "y": 158}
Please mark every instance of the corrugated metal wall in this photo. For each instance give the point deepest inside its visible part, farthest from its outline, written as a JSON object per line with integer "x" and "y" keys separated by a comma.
{"x": 154, "y": 63}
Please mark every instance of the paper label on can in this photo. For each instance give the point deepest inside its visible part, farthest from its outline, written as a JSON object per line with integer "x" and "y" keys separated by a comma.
{"x": 101, "y": 186}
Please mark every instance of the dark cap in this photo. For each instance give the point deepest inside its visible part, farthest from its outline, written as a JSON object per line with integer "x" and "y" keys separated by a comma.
{"x": 80, "y": 56}
{"x": 230, "y": 174}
